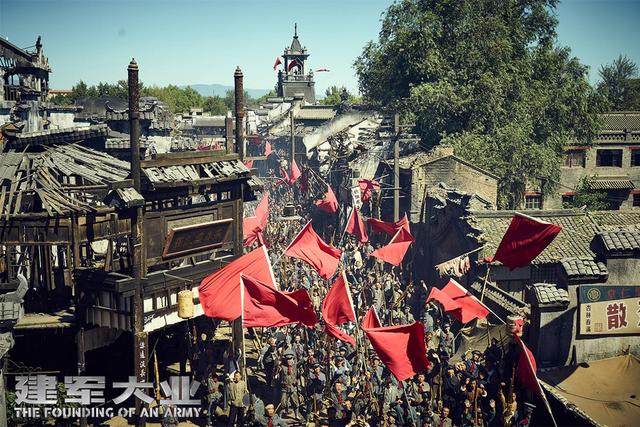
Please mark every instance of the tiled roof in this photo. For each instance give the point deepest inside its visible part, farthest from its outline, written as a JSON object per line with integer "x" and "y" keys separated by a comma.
{"x": 58, "y": 136}
{"x": 620, "y": 240}
{"x": 583, "y": 267}
{"x": 573, "y": 241}
{"x": 611, "y": 183}
{"x": 621, "y": 120}
{"x": 194, "y": 174}
{"x": 607, "y": 220}
{"x": 315, "y": 114}
{"x": 549, "y": 295}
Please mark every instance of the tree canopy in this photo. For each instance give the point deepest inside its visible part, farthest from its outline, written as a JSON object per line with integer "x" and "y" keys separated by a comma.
{"x": 333, "y": 93}
{"x": 620, "y": 85}
{"x": 177, "y": 99}
{"x": 488, "y": 78}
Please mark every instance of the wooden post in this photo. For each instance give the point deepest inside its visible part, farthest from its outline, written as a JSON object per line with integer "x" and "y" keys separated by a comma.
{"x": 293, "y": 138}
{"x": 136, "y": 238}
{"x": 396, "y": 168}
{"x": 81, "y": 363}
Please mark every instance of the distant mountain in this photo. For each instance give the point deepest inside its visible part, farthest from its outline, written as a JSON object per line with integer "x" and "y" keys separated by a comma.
{"x": 221, "y": 90}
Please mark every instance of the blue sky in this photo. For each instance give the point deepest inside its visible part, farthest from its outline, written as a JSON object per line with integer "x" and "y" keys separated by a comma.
{"x": 198, "y": 41}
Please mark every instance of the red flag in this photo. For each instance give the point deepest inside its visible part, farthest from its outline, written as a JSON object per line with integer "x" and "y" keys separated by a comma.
{"x": 444, "y": 299}
{"x": 253, "y": 226}
{"x": 310, "y": 248}
{"x": 219, "y": 292}
{"x": 371, "y": 319}
{"x": 470, "y": 307}
{"x": 400, "y": 348}
{"x": 294, "y": 172}
{"x": 524, "y": 240}
{"x": 267, "y": 149}
{"x": 337, "y": 308}
{"x": 366, "y": 185}
{"x": 284, "y": 174}
{"x": 248, "y": 163}
{"x": 389, "y": 228}
{"x": 278, "y": 62}
{"x": 337, "y": 333}
{"x": 329, "y": 204}
{"x": 355, "y": 226}
{"x": 526, "y": 369}
{"x": 518, "y": 325}
{"x": 264, "y": 306}
{"x": 394, "y": 252}
{"x": 292, "y": 64}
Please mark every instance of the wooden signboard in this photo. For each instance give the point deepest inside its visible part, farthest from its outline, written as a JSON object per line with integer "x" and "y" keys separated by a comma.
{"x": 195, "y": 238}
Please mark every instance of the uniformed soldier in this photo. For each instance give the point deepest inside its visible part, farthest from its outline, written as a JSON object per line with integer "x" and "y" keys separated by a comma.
{"x": 288, "y": 383}
{"x": 447, "y": 340}
{"x": 268, "y": 357}
{"x": 316, "y": 383}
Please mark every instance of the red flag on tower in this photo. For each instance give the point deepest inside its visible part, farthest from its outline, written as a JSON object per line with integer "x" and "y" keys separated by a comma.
{"x": 310, "y": 248}
{"x": 366, "y": 185}
{"x": 524, "y": 240}
{"x": 278, "y": 62}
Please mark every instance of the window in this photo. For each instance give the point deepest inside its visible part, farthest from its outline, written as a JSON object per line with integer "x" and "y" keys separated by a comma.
{"x": 636, "y": 200}
{"x": 567, "y": 199}
{"x": 575, "y": 159}
{"x": 609, "y": 158}
{"x": 635, "y": 157}
{"x": 533, "y": 201}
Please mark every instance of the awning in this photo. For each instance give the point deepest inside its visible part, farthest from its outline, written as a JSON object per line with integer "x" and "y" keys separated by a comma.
{"x": 606, "y": 391}
{"x": 602, "y": 183}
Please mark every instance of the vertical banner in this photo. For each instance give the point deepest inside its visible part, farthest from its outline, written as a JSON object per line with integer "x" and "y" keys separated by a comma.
{"x": 142, "y": 356}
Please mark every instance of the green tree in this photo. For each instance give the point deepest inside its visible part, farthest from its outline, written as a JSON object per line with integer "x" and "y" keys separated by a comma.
{"x": 486, "y": 77}
{"x": 263, "y": 98}
{"x": 617, "y": 85}
{"x": 585, "y": 196}
{"x": 215, "y": 105}
{"x": 79, "y": 90}
{"x": 63, "y": 100}
{"x": 333, "y": 96}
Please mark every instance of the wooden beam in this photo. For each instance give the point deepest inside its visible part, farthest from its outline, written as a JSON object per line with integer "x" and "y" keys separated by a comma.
{"x": 187, "y": 158}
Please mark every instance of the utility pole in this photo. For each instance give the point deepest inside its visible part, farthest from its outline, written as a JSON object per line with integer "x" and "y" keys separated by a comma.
{"x": 293, "y": 137}
{"x": 396, "y": 168}
{"x": 239, "y": 95}
{"x": 140, "y": 339}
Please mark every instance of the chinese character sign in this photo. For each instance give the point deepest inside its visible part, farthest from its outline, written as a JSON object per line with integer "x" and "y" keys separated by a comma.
{"x": 606, "y": 310}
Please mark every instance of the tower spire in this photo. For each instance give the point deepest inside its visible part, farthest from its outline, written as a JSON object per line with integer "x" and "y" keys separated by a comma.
{"x": 295, "y": 30}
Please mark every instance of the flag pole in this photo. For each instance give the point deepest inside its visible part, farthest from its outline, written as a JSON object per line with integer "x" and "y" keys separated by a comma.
{"x": 540, "y": 389}
{"x": 462, "y": 255}
{"x": 294, "y": 239}
{"x": 479, "y": 301}
{"x": 244, "y": 356}
{"x": 484, "y": 285}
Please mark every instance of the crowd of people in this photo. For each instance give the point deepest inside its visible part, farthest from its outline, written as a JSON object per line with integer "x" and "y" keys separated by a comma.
{"x": 302, "y": 375}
